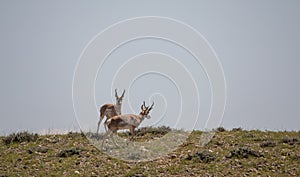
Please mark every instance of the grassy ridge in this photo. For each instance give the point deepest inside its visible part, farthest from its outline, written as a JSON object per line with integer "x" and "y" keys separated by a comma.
{"x": 230, "y": 153}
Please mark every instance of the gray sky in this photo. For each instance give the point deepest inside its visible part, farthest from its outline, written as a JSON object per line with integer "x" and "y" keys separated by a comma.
{"x": 257, "y": 43}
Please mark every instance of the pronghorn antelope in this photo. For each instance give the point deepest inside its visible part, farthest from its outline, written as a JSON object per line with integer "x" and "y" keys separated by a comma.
{"x": 111, "y": 110}
{"x": 127, "y": 121}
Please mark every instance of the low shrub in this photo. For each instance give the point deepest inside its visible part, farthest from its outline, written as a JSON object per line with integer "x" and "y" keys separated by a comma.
{"x": 153, "y": 130}
{"x": 290, "y": 141}
{"x": 20, "y": 137}
{"x": 237, "y": 129}
{"x": 204, "y": 156}
{"x": 220, "y": 129}
{"x": 268, "y": 144}
{"x": 244, "y": 152}
{"x": 69, "y": 152}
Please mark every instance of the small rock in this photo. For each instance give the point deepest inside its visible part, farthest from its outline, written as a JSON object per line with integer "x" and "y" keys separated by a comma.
{"x": 142, "y": 148}
{"x": 173, "y": 156}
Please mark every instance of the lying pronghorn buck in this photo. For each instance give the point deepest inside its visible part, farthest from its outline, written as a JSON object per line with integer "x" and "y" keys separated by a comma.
{"x": 111, "y": 110}
{"x": 127, "y": 121}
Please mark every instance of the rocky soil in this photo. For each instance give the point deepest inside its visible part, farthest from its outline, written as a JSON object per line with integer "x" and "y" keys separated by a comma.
{"x": 229, "y": 153}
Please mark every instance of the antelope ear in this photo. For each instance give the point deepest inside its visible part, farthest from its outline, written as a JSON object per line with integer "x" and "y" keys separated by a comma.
{"x": 116, "y": 93}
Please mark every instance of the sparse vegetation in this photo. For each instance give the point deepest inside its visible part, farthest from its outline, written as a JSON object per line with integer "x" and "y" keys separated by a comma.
{"x": 69, "y": 152}
{"x": 20, "y": 137}
{"x": 237, "y": 129}
{"x": 144, "y": 132}
{"x": 204, "y": 156}
{"x": 230, "y": 153}
{"x": 244, "y": 152}
{"x": 268, "y": 144}
{"x": 153, "y": 130}
{"x": 220, "y": 129}
{"x": 290, "y": 140}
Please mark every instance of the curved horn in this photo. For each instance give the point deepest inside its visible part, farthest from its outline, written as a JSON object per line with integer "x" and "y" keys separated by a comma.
{"x": 151, "y": 106}
{"x": 143, "y": 106}
{"x": 116, "y": 93}
{"x": 123, "y": 94}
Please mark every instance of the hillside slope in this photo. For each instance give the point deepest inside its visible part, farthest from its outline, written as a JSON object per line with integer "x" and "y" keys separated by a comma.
{"x": 230, "y": 153}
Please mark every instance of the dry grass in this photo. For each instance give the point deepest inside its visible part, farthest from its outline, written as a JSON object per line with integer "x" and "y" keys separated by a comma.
{"x": 229, "y": 153}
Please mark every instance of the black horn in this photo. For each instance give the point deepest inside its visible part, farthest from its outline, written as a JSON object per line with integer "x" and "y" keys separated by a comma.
{"x": 151, "y": 106}
{"x": 116, "y": 93}
{"x": 143, "y": 106}
{"x": 123, "y": 94}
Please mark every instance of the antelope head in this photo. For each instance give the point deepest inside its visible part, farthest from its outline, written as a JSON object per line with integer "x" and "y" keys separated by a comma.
{"x": 146, "y": 110}
{"x": 119, "y": 99}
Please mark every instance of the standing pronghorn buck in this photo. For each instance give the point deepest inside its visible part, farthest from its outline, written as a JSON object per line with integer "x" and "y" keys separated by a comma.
{"x": 127, "y": 121}
{"x": 111, "y": 110}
